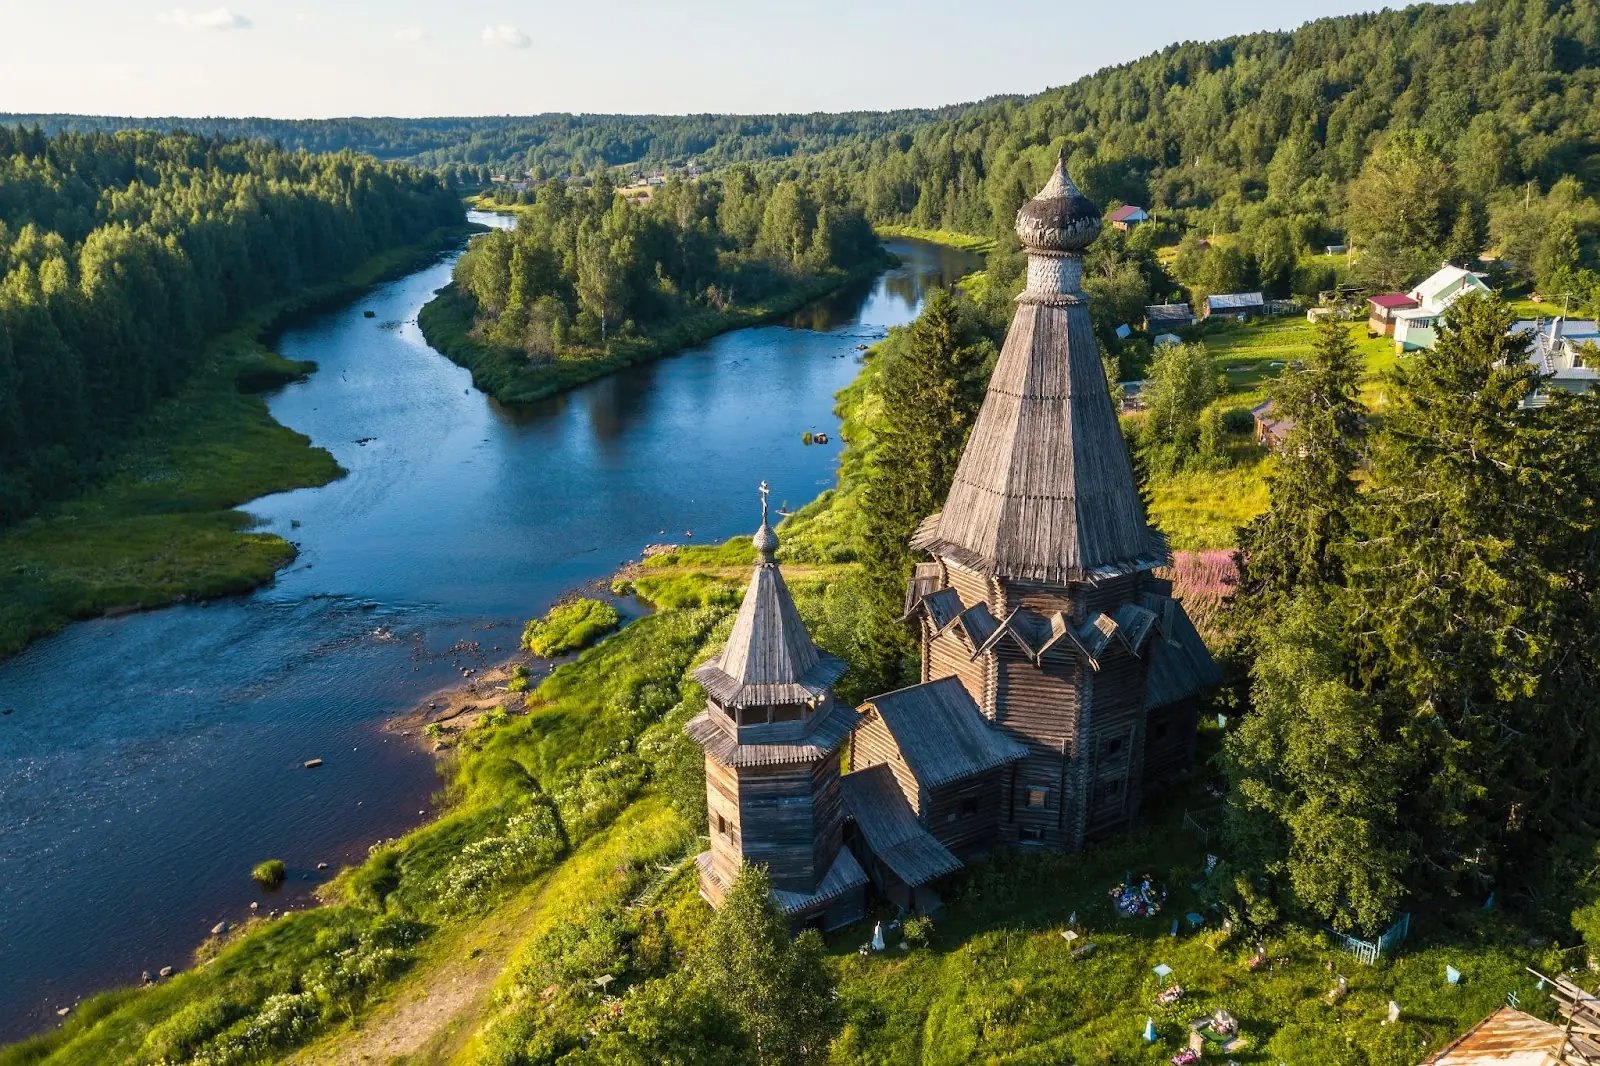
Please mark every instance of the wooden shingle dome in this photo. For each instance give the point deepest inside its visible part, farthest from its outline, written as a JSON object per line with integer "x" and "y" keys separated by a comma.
{"x": 1060, "y": 218}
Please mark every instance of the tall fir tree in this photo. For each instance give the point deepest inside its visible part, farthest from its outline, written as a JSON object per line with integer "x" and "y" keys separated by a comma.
{"x": 1294, "y": 544}
{"x": 1472, "y": 605}
{"x": 931, "y": 386}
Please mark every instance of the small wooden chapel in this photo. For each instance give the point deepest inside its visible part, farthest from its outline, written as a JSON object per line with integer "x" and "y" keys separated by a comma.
{"x": 1060, "y": 678}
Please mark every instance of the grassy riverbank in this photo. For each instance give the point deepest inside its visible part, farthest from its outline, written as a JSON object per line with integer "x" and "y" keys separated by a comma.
{"x": 560, "y": 857}
{"x": 967, "y": 242}
{"x": 162, "y": 528}
{"x": 507, "y": 375}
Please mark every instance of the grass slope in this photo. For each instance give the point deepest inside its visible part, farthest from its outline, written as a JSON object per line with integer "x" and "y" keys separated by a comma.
{"x": 163, "y": 527}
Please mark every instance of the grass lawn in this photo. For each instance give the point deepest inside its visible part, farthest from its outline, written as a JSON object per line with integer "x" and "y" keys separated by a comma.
{"x": 1200, "y": 510}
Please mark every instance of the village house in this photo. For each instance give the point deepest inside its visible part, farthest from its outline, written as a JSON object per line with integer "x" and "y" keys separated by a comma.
{"x": 1168, "y": 317}
{"x": 1127, "y": 217}
{"x": 1060, "y": 678}
{"x": 1236, "y": 304}
{"x": 1416, "y": 327}
{"x": 1382, "y": 310}
{"x": 1556, "y": 350}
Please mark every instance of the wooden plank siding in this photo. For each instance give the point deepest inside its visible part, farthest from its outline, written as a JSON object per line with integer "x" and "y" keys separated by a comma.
{"x": 790, "y": 818}
{"x": 874, "y": 746}
{"x": 1116, "y": 745}
{"x": 965, "y": 816}
{"x": 1170, "y": 734}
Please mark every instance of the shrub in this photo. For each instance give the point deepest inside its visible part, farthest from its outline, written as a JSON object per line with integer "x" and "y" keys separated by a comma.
{"x": 570, "y": 626}
{"x": 269, "y": 874}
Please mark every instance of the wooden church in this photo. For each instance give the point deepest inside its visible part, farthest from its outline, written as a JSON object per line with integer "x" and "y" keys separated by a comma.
{"x": 1059, "y": 675}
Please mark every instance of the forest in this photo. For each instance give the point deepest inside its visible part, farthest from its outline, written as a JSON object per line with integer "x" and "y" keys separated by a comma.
{"x": 584, "y": 266}
{"x": 121, "y": 254}
{"x": 1415, "y": 135}
{"x": 554, "y": 145}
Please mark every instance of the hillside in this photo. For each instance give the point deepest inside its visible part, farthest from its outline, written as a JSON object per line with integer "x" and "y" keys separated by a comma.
{"x": 552, "y": 143}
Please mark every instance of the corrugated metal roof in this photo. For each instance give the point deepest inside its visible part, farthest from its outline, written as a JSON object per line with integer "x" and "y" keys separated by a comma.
{"x": 1505, "y": 1038}
{"x": 890, "y": 828}
{"x": 940, "y": 732}
{"x": 1231, "y": 301}
{"x": 1127, "y": 211}
{"x": 1392, "y": 300}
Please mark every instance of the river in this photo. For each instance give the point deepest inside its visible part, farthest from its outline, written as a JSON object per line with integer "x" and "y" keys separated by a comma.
{"x": 151, "y": 760}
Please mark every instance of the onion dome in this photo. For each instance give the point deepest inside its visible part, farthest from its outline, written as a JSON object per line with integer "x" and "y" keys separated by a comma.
{"x": 1060, "y": 218}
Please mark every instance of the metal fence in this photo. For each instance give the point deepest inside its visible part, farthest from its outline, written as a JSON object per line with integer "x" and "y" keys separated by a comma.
{"x": 1370, "y": 951}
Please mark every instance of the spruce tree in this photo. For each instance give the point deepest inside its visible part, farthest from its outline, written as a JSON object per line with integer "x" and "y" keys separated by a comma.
{"x": 1471, "y": 601}
{"x": 1293, "y": 545}
{"x": 931, "y": 385}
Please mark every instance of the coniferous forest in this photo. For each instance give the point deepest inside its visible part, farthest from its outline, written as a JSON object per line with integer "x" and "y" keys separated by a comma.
{"x": 121, "y": 254}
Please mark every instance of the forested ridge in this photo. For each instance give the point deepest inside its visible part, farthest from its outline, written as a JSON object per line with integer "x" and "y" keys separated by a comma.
{"x": 1415, "y": 134}
{"x": 121, "y": 254}
{"x": 551, "y": 145}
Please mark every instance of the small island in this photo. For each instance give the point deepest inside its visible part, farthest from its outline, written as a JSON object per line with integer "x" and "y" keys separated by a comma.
{"x": 589, "y": 281}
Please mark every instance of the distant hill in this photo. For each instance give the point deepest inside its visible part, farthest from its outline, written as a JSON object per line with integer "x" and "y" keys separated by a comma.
{"x": 556, "y": 143}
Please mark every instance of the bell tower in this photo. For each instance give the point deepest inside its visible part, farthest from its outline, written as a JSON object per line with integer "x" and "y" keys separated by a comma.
{"x": 771, "y": 733}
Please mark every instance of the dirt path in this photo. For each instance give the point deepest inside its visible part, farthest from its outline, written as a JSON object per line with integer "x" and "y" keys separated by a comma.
{"x": 436, "y": 1009}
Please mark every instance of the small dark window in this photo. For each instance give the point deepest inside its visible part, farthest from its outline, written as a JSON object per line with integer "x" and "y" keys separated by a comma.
{"x": 1160, "y": 730}
{"x": 1108, "y": 789}
{"x": 1037, "y": 796}
{"x": 969, "y": 807}
{"x": 1030, "y": 834}
{"x": 1113, "y": 745}
{"x": 787, "y": 714}
{"x": 722, "y": 825}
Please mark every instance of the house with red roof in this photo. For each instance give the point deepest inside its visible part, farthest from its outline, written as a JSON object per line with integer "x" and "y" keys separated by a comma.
{"x": 1126, "y": 217}
{"x": 1383, "y": 307}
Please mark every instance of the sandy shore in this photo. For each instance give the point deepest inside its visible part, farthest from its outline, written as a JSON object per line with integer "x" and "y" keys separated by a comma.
{"x": 486, "y": 685}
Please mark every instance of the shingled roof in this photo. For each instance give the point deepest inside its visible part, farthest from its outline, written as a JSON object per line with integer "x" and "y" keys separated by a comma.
{"x": 769, "y": 657}
{"x": 891, "y": 829}
{"x": 940, "y": 732}
{"x": 1045, "y": 488}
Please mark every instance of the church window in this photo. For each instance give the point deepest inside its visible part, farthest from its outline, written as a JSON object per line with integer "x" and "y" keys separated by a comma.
{"x": 969, "y": 807}
{"x": 722, "y": 825}
{"x": 1038, "y": 795}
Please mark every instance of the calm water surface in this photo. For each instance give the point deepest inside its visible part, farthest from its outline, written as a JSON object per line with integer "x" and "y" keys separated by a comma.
{"x": 151, "y": 760}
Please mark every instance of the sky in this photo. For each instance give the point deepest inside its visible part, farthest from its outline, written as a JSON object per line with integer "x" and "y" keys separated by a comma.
{"x": 305, "y": 59}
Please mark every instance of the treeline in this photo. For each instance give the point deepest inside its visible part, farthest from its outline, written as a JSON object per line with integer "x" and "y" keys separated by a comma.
{"x": 121, "y": 254}
{"x": 584, "y": 264}
{"x": 1419, "y": 134}
{"x": 544, "y": 145}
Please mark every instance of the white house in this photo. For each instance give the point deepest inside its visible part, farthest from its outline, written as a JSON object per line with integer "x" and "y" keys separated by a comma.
{"x": 1556, "y": 351}
{"x": 1415, "y": 327}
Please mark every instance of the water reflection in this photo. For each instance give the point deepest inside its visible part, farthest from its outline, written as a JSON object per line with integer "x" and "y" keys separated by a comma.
{"x": 458, "y": 519}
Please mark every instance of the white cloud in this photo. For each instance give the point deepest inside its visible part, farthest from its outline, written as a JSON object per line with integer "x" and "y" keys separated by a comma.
{"x": 216, "y": 19}
{"x": 506, "y": 37}
{"x": 409, "y": 33}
